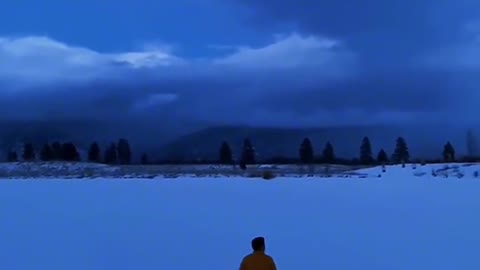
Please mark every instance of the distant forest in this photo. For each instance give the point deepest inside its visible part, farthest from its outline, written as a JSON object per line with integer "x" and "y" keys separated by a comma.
{"x": 115, "y": 153}
{"x": 121, "y": 153}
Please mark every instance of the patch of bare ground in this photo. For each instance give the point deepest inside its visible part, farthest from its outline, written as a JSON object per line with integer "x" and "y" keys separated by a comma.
{"x": 95, "y": 170}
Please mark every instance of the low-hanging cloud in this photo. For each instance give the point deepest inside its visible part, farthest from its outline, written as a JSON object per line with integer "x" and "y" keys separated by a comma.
{"x": 297, "y": 79}
{"x": 44, "y": 78}
{"x": 416, "y": 58}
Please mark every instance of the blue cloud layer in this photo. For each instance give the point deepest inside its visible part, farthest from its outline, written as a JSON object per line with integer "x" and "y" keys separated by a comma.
{"x": 297, "y": 79}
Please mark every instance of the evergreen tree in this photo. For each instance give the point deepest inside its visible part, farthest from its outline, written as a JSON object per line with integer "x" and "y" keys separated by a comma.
{"x": 226, "y": 156}
{"x": 248, "y": 153}
{"x": 124, "y": 154}
{"x": 111, "y": 154}
{"x": 28, "y": 152}
{"x": 46, "y": 154}
{"x": 366, "y": 152}
{"x": 382, "y": 157}
{"x": 69, "y": 152}
{"x": 401, "y": 153}
{"x": 94, "y": 152}
{"x": 12, "y": 156}
{"x": 57, "y": 151}
{"x": 328, "y": 153}
{"x": 144, "y": 159}
{"x": 448, "y": 152}
{"x": 306, "y": 151}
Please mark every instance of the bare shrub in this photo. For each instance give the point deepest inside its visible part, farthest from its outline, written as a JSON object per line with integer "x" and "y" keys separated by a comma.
{"x": 267, "y": 175}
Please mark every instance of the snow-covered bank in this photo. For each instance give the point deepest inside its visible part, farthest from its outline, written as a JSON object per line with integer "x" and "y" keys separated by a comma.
{"x": 80, "y": 170}
{"x": 84, "y": 170}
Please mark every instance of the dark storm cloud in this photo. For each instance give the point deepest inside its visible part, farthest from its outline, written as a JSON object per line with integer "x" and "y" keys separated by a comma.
{"x": 295, "y": 80}
{"x": 345, "y": 18}
{"x": 377, "y": 23}
{"x": 268, "y": 97}
{"x": 415, "y": 57}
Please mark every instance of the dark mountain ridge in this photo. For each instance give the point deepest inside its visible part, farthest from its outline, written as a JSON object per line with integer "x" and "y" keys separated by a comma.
{"x": 424, "y": 141}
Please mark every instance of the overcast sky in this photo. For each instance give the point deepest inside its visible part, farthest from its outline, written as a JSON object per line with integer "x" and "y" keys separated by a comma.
{"x": 275, "y": 62}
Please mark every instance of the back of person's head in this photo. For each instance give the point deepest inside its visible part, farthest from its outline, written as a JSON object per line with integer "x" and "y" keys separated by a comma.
{"x": 258, "y": 244}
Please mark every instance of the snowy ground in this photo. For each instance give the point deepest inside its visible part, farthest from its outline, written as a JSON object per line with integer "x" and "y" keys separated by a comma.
{"x": 405, "y": 219}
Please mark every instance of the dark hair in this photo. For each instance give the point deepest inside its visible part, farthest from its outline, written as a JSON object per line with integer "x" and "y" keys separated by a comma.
{"x": 258, "y": 243}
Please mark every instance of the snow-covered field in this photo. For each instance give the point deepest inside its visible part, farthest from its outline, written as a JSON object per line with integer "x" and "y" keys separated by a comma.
{"x": 405, "y": 219}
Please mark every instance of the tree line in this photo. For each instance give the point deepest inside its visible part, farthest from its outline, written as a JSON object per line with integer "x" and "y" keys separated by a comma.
{"x": 307, "y": 155}
{"x": 115, "y": 153}
{"x": 121, "y": 153}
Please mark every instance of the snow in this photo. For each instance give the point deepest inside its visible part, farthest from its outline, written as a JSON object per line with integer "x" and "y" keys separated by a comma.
{"x": 396, "y": 221}
{"x": 430, "y": 171}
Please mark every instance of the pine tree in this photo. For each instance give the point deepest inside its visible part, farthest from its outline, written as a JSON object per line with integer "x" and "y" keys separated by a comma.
{"x": 144, "y": 159}
{"x": 225, "y": 154}
{"x": 110, "y": 156}
{"x": 57, "y": 151}
{"x": 328, "y": 153}
{"x": 46, "y": 154}
{"x": 69, "y": 152}
{"x": 448, "y": 152}
{"x": 382, "y": 157}
{"x": 94, "y": 152}
{"x": 401, "y": 154}
{"x": 306, "y": 151}
{"x": 248, "y": 153}
{"x": 28, "y": 152}
{"x": 123, "y": 151}
{"x": 366, "y": 152}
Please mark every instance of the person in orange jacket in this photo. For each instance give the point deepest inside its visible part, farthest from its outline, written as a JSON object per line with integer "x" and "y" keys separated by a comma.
{"x": 258, "y": 260}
